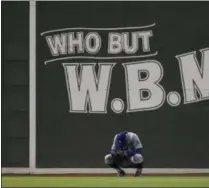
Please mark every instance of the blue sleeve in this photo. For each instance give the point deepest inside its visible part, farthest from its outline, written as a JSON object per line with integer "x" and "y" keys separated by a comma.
{"x": 112, "y": 151}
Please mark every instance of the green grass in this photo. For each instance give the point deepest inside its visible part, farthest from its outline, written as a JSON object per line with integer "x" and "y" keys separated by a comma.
{"x": 146, "y": 181}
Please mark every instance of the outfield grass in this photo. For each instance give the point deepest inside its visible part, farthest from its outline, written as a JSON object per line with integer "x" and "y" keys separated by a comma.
{"x": 21, "y": 181}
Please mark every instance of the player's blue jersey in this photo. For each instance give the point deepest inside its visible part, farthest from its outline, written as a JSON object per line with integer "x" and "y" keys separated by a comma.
{"x": 126, "y": 141}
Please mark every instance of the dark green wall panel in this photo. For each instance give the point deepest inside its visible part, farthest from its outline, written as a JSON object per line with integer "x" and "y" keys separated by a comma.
{"x": 15, "y": 84}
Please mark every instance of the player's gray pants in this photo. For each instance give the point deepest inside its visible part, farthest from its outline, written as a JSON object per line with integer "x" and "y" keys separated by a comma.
{"x": 123, "y": 161}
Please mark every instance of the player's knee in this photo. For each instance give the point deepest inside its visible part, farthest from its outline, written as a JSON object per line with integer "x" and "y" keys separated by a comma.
{"x": 108, "y": 159}
{"x": 137, "y": 159}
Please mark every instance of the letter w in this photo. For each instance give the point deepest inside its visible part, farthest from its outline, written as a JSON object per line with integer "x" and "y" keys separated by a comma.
{"x": 86, "y": 88}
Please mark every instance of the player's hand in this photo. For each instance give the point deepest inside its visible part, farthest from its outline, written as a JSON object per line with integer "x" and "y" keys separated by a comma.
{"x": 129, "y": 153}
{"x": 121, "y": 153}
{"x": 126, "y": 153}
{"x": 117, "y": 152}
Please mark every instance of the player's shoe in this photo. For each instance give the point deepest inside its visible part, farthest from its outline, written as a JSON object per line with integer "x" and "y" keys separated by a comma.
{"x": 121, "y": 173}
{"x": 138, "y": 172}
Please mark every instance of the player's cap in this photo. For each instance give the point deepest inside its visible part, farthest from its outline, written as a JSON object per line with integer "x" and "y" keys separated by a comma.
{"x": 120, "y": 138}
